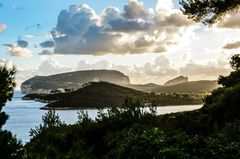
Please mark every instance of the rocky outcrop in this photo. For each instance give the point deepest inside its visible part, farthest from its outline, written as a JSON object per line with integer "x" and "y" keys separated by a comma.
{"x": 177, "y": 80}
{"x": 72, "y": 80}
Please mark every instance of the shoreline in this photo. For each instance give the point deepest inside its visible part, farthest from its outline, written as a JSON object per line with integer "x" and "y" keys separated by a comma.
{"x": 91, "y": 108}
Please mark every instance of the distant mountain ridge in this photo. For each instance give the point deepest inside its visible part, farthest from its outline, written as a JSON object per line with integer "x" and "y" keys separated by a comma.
{"x": 191, "y": 87}
{"x": 72, "y": 80}
{"x": 202, "y": 86}
{"x": 75, "y": 80}
{"x": 177, "y": 80}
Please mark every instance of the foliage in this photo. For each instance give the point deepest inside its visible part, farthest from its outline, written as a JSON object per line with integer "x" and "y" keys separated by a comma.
{"x": 234, "y": 77}
{"x": 209, "y": 11}
{"x": 10, "y": 147}
{"x": 50, "y": 119}
{"x": 130, "y": 132}
{"x": 235, "y": 62}
{"x": 7, "y": 84}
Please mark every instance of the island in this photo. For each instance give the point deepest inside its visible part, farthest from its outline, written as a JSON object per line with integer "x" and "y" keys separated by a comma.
{"x": 104, "y": 94}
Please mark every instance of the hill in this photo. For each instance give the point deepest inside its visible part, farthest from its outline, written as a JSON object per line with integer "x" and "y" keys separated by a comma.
{"x": 192, "y": 86}
{"x": 149, "y": 87}
{"x": 177, "y": 80}
{"x": 203, "y": 86}
{"x": 104, "y": 94}
{"x": 94, "y": 94}
{"x": 71, "y": 80}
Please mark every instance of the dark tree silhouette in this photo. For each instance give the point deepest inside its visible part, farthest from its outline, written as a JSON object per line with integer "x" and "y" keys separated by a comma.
{"x": 234, "y": 77}
{"x": 209, "y": 11}
{"x": 10, "y": 147}
{"x": 7, "y": 85}
{"x": 235, "y": 62}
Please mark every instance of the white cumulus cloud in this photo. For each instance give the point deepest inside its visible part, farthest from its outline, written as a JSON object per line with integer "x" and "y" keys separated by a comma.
{"x": 134, "y": 30}
{"x": 18, "y": 51}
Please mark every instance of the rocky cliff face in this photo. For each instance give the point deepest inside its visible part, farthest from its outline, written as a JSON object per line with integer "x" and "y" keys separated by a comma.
{"x": 72, "y": 80}
{"x": 177, "y": 80}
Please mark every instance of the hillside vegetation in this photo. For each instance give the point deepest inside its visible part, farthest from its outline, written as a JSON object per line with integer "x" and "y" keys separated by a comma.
{"x": 210, "y": 132}
{"x": 104, "y": 94}
{"x": 72, "y": 80}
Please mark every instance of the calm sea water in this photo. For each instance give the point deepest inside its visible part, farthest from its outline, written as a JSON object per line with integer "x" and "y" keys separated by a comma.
{"x": 24, "y": 115}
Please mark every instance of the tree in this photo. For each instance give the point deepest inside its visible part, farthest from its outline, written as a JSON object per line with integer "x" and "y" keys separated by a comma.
{"x": 10, "y": 147}
{"x": 7, "y": 85}
{"x": 50, "y": 119}
{"x": 234, "y": 77}
{"x": 235, "y": 62}
{"x": 209, "y": 11}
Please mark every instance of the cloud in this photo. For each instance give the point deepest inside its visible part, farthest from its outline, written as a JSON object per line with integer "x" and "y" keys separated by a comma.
{"x": 160, "y": 49}
{"x": 134, "y": 9}
{"x": 205, "y": 71}
{"x": 164, "y": 6}
{"x": 173, "y": 20}
{"x": 3, "y": 27}
{"x": 161, "y": 66}
{"x": 6, "y": 63}
{"x": 35, "y": 26}
{"x": 46, "y": 52}
{"x": 157, "y": 71}
{"x": 230, "y": 21}
{"x": 50, "y": 66}
{"x": 22, "y": 43}
{"x": 18, "y": 51}
{"x": 232, "y": 45}
{"x": 134, "y": 30}
{"x": 47, "y": 67}
{"x": 103, "y": 64}
{"x": 15, "y": 7}
{"x": 29, "y": 36}
{"x": 47, "y": 44}
{"x": 162, "y": 69}
{"x": 126, "y": 26}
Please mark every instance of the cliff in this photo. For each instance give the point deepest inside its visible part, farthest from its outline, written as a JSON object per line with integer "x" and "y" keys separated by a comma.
{"x": 177, "y": 80}
{"x": 72, "y": 80}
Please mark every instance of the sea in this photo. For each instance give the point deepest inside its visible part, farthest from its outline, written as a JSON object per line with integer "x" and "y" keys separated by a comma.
{"x": 25, "y": 115}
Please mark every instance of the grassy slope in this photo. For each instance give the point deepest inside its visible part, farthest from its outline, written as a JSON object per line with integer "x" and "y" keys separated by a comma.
{"x": 103, "y": 94}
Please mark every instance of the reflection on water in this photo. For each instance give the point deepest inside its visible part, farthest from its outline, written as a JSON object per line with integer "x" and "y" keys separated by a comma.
{"x": 24, "y": 115}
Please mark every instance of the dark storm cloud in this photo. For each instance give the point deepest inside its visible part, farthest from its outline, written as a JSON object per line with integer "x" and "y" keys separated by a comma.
{"x": 22, "y": 43}
{"x": 47, "y": 44}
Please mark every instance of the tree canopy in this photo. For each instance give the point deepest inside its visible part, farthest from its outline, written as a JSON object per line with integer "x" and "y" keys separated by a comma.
{"x": 209, "y": 11}
{"x": 7, "y": 84}
{"x": 10, "y": 147}
{"x": 234, "y": 77}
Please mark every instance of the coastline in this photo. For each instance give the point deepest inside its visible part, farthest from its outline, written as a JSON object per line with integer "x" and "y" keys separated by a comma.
{"x": 108, "y": 107}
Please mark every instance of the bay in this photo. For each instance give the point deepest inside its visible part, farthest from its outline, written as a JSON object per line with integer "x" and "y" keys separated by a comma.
{"x": 26, "y": 114}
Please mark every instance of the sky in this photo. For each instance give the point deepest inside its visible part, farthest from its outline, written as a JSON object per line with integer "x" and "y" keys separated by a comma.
{"x": 151, "y": 41}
